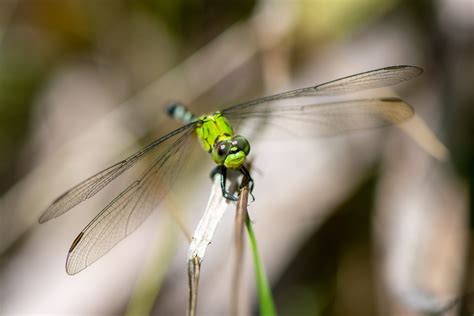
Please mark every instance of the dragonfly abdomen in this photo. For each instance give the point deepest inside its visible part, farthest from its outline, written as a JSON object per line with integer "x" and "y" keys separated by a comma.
{"x": 179, "y": 112}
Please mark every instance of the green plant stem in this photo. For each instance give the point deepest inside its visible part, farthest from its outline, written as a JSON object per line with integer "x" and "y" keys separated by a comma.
{"x": 267, "y": 307}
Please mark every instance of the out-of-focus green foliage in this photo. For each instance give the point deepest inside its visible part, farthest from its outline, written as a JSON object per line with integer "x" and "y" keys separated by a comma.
{"x": 329, "y": 20}
{"x": 195, "y": 21}
{"x": 20, "y": 77}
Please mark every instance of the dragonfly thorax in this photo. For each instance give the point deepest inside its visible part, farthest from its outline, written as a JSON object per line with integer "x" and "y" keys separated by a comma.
{"x": 217, "y": 138}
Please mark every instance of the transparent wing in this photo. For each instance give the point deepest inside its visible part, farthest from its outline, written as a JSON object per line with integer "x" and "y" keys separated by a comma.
{"x": 89, "y": 187}
{"x": 324, "y": 119}
{"x": 129, "y": 209}
{"x": 377, "y": 78}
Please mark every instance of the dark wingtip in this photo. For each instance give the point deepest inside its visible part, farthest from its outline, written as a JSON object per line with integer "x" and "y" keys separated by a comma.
{"x": 76, "y": 241}
{"x": 421, "y": 70}
{"x": 44, "y": 218}
{"x": 391, "y": 99}
{"x": 407, "y": 106}
{"x": 416, "y": 70}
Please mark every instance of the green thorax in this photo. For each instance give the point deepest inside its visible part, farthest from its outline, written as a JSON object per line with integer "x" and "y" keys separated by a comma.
{"x": 213, "y": 129}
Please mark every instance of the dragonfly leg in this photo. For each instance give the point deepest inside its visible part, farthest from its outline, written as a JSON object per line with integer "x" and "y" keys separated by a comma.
{"x": 247, "y": 180}
{"x": 223, "y": 171}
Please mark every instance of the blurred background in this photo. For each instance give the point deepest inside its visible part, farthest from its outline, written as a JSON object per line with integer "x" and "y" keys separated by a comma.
{"x": 372, "y": 223}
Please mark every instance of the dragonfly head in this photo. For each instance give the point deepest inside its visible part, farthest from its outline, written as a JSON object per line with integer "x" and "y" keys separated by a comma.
{"x": 231, "y": 152}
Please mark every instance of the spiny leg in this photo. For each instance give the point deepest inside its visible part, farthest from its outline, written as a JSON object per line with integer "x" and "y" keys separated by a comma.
{"x": 222, "y": 170}
{"x": 247, "y": 180}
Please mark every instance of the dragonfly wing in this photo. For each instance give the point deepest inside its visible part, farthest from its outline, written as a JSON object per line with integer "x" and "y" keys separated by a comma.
{"x": 128, "y": 210}
{"x": 325, "y": 119}
{"x": 89, "y": 187}
{"x": 372, "y": 79}
{"x": 377, "y": 78}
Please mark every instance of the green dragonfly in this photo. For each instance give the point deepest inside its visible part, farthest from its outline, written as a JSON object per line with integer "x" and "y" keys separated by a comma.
{"x": 228, "y": 150}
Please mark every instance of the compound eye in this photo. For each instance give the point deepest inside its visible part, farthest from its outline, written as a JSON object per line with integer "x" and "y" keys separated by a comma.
{"x": 241, "y": 143}
{"x": 221, "y": 151}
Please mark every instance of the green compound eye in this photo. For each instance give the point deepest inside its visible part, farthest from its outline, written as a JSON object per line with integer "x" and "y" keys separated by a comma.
{"x": 241, "y": 143}
{"x": 220, "y": 151}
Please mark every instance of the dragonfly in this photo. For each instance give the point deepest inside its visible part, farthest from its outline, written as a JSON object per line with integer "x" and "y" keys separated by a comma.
{"x": 229, "y": 151}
